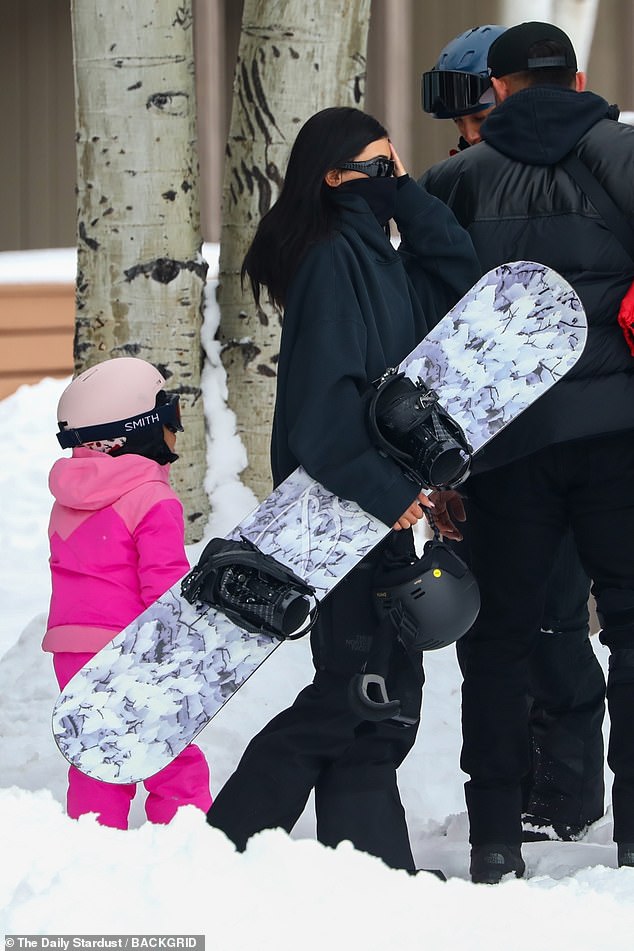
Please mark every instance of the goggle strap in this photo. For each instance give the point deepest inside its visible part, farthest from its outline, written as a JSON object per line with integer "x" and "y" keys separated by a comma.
{"x": 168, "y": 415}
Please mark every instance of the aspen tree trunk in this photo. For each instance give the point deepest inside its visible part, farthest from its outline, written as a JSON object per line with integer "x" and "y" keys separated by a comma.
{"x": 141, "y": 275}
{"x": 295, "y": 58}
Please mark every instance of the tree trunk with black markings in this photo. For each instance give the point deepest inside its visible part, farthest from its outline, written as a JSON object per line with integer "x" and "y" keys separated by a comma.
{"x": 295, "y": 58}
{"x": 140, "y": 271}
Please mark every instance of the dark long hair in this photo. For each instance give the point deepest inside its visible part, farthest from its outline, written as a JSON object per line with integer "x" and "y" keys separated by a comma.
{"x": 304, "y": 213}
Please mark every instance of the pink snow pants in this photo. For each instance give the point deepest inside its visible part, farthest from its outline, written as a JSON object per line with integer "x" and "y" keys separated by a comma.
{"x": 184, "y": 782}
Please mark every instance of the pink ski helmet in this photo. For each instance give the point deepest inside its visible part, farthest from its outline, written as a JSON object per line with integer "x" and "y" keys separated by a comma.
{"x": 120, "y": 397}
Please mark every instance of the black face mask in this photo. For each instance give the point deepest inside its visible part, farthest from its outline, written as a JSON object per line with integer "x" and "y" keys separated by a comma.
{"x": 148, "y": 442}
{"x": 379, "y": 193}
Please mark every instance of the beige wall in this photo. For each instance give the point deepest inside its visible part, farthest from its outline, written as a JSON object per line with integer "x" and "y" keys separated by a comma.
{"x": 37, "y": 323}
{"x": 611, "y": 63}
{"x": 429, "y": 26}
{"x": 37, "y": 158}
{"x": 37, "y": 152}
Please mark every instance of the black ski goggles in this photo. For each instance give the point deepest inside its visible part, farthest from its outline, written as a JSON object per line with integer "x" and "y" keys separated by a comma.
{"x": 376, "y": 168}
{"x": 166, "y": 412}
{"x": 169, "y": 407}
{"x": 449, "y": 93}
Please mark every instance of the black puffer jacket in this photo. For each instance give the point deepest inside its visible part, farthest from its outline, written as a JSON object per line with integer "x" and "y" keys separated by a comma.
{"x": 356, "y": 307}
{"x": 518, "y": 203}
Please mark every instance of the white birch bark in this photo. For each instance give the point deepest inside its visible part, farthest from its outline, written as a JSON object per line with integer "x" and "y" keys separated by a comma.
{"x": 141, "y": 275}
{"x": 295, "y": 58}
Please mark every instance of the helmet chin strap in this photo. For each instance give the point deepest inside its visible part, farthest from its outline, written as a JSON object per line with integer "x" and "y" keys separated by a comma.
{"x": 429, "y": 515}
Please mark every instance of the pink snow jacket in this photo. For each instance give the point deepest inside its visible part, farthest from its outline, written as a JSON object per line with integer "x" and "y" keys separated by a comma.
{"x": 117, "y": 543}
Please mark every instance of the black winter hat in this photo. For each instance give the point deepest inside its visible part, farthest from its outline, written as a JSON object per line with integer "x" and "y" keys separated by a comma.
{"x": 509, "y": 53}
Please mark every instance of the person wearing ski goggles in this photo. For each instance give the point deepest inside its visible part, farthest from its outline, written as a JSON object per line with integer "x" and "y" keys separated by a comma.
{"x": 526, "y": 192}
{"x": 353, "y": 306}
{"x": 459, "y": 87}
{"x": 117, "y": 542}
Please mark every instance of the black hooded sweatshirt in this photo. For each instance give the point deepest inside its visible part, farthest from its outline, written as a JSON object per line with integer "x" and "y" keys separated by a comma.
{"x": 518, "y": 203}
{"x": 355, "y": 308}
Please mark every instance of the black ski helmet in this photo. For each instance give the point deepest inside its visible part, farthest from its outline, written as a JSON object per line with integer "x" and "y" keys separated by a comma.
{"x": 432, "y": 601}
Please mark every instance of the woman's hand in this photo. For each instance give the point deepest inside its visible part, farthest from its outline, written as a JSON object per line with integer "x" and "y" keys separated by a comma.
{"x": 448, "y": 509}
{"x": 399, "y": 168}
{"x": 413, "y": 513}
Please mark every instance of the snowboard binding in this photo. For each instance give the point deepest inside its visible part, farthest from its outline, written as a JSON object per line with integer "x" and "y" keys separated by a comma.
{"x": 253, "y": 589}
{"x": 408, "y": 424}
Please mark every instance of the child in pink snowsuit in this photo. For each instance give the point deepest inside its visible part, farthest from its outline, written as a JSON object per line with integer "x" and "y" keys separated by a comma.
{"x": 117, "y": 543}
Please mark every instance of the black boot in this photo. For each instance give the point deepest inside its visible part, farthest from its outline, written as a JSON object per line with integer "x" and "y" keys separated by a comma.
{"x": 625, "y": 851}
{"x": 490, "y": 863}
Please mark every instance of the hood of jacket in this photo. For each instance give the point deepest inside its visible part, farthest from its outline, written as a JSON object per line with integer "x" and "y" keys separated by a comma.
{"x": 90, "y": 480}
{"x": 542, "y": 124}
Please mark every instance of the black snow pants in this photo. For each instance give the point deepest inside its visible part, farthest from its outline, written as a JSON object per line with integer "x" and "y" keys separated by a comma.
{"x": 319, "y": 743}
{"x": 517, "y": 517}
{"x": 565, "y": 787}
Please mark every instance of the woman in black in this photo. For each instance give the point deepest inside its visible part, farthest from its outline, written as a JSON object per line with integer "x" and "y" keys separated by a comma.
{"x": 353, "y": 306}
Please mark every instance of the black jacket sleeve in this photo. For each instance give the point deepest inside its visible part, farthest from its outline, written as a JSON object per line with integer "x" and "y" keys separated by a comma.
{"x": 437, "y": 252}
{"x": 325, "y": 408}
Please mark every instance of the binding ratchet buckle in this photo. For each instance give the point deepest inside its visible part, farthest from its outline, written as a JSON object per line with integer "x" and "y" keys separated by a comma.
{"x": 253, "y": 589}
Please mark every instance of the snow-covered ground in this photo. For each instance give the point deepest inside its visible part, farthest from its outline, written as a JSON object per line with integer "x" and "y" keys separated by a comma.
{"x": 60, "y": 876}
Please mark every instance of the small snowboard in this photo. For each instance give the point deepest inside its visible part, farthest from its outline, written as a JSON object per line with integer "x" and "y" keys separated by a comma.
{"x": 146, "y": 695}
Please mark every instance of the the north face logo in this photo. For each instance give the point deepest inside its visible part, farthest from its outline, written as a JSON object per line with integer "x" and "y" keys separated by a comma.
{"x": 495, "y": 858}
{"x": 359, "y": 643}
